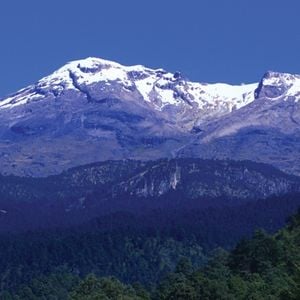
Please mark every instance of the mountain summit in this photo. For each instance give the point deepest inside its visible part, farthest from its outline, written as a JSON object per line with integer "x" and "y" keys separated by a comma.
{"x": 274, "y": 85}
{"x": 97, "y": 79}
{"x": 94, "y": 110}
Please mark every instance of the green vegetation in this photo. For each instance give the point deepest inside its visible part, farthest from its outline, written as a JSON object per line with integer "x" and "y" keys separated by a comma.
{"x": 265, "y": 267}
{"x": 43, "y": 259}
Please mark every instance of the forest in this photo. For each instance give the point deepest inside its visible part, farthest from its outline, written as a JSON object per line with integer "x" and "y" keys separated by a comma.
{"x": 144, "y": 265}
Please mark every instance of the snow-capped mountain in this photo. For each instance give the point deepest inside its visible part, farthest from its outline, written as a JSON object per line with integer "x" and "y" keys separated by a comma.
{"x": 267, "y": 130}
{"x": 93, "y": 110}
{"x": 97, "y": 78}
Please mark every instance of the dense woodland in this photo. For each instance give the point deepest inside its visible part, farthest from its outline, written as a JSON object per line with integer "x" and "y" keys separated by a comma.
{"x": 81, "y": 266}
{"x": 263, "y": 267}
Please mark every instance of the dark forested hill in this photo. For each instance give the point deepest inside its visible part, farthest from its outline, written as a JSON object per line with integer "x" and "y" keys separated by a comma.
{"x": 81, "y": 194}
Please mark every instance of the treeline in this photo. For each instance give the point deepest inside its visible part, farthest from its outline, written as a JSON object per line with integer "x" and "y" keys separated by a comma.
{"x": 264, "y": 267}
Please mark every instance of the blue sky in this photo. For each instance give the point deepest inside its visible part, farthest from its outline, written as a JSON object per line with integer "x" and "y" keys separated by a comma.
{"x": 230, "y": 41}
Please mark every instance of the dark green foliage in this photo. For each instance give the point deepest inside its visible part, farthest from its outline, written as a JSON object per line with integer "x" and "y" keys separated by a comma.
{"x": 131, "y": 258}
{"x": 53, "y": 287}
{"x": 265, "y": 267}
{"x": 93, "y": 288}
{"x": 256, "y": 256}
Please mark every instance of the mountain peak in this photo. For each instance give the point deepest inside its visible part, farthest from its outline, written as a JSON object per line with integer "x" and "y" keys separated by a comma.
{"x": 88, "y": 71}
{"x": 275, "y": 84}
{"x": 161, "y": 89}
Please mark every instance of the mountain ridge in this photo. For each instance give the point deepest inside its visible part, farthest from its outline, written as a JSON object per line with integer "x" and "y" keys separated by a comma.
{"x": 95, "y": 110}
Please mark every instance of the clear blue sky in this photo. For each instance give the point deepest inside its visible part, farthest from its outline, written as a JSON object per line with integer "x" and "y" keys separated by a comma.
{"x": 230, "y": 41}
